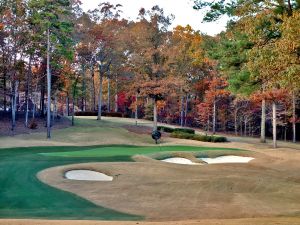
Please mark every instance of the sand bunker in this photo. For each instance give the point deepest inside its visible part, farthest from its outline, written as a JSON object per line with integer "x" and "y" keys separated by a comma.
{"x": 178, "y": 160}
{"x": 87, "y": 175}
{"x": 227, "y": 159}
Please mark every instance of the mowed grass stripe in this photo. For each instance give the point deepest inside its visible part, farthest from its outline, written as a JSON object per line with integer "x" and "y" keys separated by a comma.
{"x": 113, "y": 151}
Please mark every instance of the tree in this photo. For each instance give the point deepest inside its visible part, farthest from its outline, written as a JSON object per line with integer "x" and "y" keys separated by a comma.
{"x": 231, "y": 50}
{"x": 185, "y": 57}
{"x": 236, "y": 8}
{"x": 261, "y": 21}
{"x": 215, "y": 93}
{"x": 85, "y": 46}
{"x": 13, "y": 37}
{"x": 287, "y": 51}
{"x": 107, "y": 14}
{"x": 53, "y": 22}
{"x": 148, "y": 59}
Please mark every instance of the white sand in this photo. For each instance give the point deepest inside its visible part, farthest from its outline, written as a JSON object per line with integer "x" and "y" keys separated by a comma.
{"x": 179, "y": 161}
{"x": 87, "y": 175}
{"x": 227, "y": 159}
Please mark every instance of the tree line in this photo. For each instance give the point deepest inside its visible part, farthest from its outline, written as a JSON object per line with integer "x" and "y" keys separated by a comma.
{"x": 55, "y": 58}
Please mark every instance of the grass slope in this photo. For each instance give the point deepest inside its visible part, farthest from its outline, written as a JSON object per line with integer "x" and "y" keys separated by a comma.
{"x": 86, "y": 132}
{"x": 24, "y": 196}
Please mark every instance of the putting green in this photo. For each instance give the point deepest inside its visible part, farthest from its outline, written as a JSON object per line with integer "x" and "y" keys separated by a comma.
{"x": 22, "y": 195}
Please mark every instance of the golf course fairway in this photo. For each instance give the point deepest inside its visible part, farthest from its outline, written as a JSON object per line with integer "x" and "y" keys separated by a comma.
{"x": 24, "y": 196}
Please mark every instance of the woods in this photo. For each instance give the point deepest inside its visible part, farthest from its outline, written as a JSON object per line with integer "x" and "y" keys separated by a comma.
{"x": 244, "y": 81}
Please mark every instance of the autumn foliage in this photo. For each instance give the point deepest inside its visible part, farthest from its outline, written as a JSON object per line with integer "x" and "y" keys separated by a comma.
{"x": 234, "y": 82}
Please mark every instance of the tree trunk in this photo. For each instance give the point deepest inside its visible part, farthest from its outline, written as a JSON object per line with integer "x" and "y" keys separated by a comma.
{"x": 74, "y": 86}
{"x": 34, "y": 101}
{"x": 154, "y": 115}
{"x": 48, "y": 87}
{"x": 16, "y": 97}
{"x": 116, "y": 102}
{"x": 136, "y": 109}
{"x": 26, "y": 111}
{"x": 14, "y": 105}
{"x": 4, "y": 85}
{"x": 116, "y": 97}
{"x": 42, "y": 98}
{"x": 208, "y": 123}
{"x": 181, "y": 111}
{"x": 83, "y": 99}
{"x": 274, "y": 125}
{"x": 73, "y": 111}
{"x": 94, "y": 94}
{"x": 285, "y": 133}
{"x": 54, "y": 109}
{"x": 241, "y": 130}
{"x": 294, "y": 117}
{"x": 67, "y": 105}
{"x": 100, "y": 96}
{"x": 93, "y": 89}
{"x": 263, "y": 122}
{"x": 33, "y": 112}
{"x": 13, "y": 112}
{"x": 186, "y": 109}
{"x": 18, "y": 101}
{"x": 27, "y": 91}
{"x": 290, "y": 8}
{"x": 108, "y": 91}
{"x": 214, "y": 117}
{"x": 235, "y": 122}
{"x": 245, "y": 131}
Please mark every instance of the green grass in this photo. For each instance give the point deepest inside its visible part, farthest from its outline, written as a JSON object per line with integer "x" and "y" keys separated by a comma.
{"x": 22, "y": 195}
{"x": 128, "y": 151}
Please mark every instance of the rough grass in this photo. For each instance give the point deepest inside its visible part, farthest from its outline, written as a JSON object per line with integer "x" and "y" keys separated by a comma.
{"x": 87, "y": 131}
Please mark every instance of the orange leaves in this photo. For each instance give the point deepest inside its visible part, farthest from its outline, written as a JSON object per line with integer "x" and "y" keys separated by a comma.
{"x": 133, "y": 102}
{"x": 159, "y": 87}
{"x": 257, "y": 97}
{"x": 204, "y": 111}
{"x": 99, "y": 33}
{"x": 202, "y": 85}
{"x": 215, "y": 92}
{"x": 35, "y": 69}
{"x": 216, "y": 89}
{"x": 277, "y": 95}
{"x": 186, "y": 46}
{"x": 161, "y": 104}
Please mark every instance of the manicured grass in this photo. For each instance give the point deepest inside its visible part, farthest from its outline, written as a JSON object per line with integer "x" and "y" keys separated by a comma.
{"x": 22, "y": 195}
{"x": 128, "y": 151}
